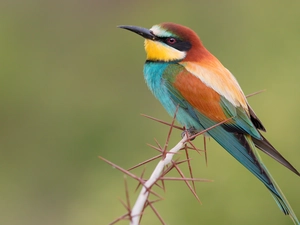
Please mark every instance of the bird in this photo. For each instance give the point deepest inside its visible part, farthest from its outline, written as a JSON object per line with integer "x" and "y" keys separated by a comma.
{"x": 189, "y": 80}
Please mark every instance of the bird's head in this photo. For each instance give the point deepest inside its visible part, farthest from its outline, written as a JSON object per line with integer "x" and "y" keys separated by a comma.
{"x": 169, "y": 42}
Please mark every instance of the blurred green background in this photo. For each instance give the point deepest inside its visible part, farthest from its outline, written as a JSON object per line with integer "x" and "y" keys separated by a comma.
{"x": 72, "y": 89}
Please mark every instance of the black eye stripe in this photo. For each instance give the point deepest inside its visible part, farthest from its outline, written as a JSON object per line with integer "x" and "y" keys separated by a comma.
{"x": 182, "y": 46}
{"x": 179, "y": 44}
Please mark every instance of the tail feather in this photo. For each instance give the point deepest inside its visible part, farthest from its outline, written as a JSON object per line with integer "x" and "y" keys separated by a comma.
{"x": 278, "y": 194}
{"x": 268, "y": 149}
{"x": 283, "y": 203}
{"x": 242, "y": 148}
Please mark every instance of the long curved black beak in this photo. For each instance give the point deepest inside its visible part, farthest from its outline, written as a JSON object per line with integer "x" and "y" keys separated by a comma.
{"x": 140, "y": 31}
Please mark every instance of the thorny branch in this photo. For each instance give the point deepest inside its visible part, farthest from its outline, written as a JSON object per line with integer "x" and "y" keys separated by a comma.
{"x": 164, "y": 166}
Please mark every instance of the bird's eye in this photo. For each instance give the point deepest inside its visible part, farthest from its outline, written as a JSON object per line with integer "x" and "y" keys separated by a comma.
{"x": 171, "y": 41}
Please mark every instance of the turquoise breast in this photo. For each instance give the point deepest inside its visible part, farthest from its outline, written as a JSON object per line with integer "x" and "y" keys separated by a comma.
{"x": 155, "y": 77}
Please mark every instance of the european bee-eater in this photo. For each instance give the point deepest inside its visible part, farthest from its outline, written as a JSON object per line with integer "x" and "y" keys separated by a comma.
{"x": 180, "y": 71}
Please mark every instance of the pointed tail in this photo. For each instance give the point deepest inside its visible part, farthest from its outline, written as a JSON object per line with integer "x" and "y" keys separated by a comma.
{"x": 268, "y": 149}
{"x": 242, "y": 148}
{"x": 278, "y": 195}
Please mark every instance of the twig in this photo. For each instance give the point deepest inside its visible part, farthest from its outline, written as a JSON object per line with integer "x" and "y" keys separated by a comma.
{"x": 143, "y": 196}
{"x": 165, "y": 165}
{"x": 255, "y": 93}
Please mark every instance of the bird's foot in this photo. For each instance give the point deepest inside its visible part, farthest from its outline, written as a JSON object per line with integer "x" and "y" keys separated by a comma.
{"x": 189, "y": 132}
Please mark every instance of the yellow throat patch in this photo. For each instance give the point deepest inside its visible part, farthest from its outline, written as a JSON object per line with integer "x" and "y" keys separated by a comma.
{"x": 157, "y": 51}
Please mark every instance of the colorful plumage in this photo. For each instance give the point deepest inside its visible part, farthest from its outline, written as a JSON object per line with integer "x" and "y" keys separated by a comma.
{"x": 179, "y": 70}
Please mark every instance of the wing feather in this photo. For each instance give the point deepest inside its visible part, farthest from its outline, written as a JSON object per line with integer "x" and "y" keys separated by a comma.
{"x": 217, "y": 77}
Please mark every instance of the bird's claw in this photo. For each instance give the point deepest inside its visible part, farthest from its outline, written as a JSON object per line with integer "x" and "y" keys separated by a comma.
{"x": 189, "y": 132}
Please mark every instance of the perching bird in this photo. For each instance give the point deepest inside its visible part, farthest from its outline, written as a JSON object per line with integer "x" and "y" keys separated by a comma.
{"x": 180, "y": 71}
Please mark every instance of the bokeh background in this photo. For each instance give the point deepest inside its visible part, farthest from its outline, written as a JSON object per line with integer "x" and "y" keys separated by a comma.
{"x": 72, "y": 89}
